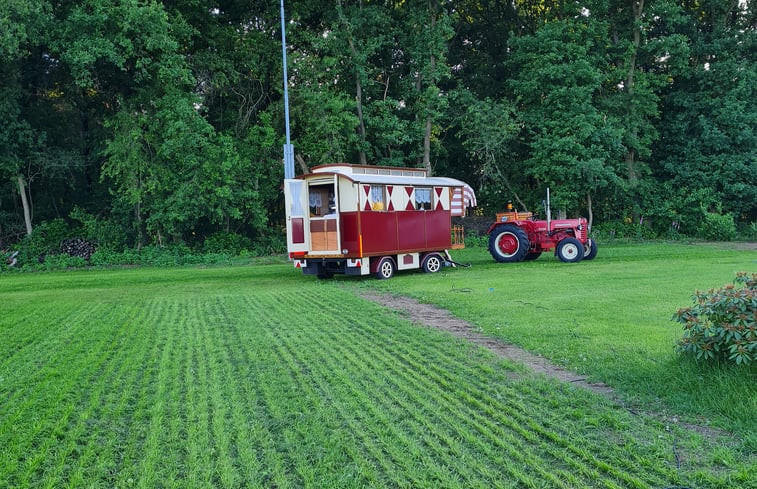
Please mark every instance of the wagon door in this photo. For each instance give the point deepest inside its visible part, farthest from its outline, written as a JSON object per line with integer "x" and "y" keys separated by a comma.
{"x": 297, "y": 217}
{"x": 323, "y": 202}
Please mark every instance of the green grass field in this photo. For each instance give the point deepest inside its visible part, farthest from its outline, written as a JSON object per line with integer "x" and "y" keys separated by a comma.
{"x": 256, "y": 376}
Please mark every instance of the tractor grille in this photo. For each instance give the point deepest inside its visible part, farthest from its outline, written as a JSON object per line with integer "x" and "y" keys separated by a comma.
{"x": 582, "y": 230}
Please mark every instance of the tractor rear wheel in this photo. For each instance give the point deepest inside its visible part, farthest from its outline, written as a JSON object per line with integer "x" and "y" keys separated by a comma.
{"x": 532, "y": 256}
{"x": 508, "y": 243}
{"x": 570, "y": 250}
{"x": 590, "y": 249}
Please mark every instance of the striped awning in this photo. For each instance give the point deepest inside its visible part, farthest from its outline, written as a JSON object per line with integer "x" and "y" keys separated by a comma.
{"x": 462, "y": 197}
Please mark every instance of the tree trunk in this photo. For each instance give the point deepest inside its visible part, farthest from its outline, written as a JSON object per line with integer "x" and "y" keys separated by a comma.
{"x": 138, "y": 221}
{"x": 630, "y": 157}
{"x": 301, "y": 162}
{"x": 359, "y": 104}
{"x": 591, "y": 211}
{"x": 358, "y": 87}
{"x": 427, "y": 133}
{"x": 427, "y": 146}
{"x": 25, "y": 204}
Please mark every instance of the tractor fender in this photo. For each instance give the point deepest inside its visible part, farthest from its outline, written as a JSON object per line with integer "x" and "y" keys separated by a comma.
{"x": 520, "y": 224}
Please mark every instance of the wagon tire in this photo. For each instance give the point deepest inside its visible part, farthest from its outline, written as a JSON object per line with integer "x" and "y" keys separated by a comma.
{"x": 432, "y": 263}
{"x": 590, "y": 249}
{"x": 508, "y": 243}
{"x": 570, "y": 250}
{"x": 385, "y": 269}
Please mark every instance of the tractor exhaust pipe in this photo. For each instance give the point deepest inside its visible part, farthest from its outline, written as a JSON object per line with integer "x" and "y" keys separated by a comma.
{"x": 549, "y": 214}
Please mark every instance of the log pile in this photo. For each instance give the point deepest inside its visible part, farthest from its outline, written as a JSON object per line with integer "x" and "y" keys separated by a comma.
{"x": 77, "y": 247}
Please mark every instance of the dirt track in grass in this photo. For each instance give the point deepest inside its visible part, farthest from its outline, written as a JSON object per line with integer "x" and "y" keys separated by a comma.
{"x": 435, "y": 317}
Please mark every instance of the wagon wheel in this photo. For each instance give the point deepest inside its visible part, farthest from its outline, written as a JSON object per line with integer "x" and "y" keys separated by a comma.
{"x": 386, "y": 268}
{"x": 432, "y": 263}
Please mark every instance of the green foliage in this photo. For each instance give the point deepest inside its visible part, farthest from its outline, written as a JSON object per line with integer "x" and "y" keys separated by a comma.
{"x": 160, "y": 118}
{"x": 717, "y": 227}
{"x": 269, "y": 244}
{"x": 622, "y": 229}
{"x": 105, "y": 233}
{"x": 45, "y": 239}
{"x": 226, "y": 242}
{"x": 721, "y": 326}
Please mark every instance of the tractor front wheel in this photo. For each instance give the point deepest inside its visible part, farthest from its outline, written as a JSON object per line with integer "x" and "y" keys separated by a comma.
{"x": 590, "y": 249}
{"x": 570, "y": 250}
{"x": 508, "y": 243}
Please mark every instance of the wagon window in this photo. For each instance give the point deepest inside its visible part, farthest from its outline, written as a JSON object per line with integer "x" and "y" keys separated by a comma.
{"x": 378, "y": 198}
{"x": 423, "y": 199}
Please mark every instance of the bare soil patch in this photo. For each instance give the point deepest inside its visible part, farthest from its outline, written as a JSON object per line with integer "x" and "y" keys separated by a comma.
{"x": 435, "y": 317}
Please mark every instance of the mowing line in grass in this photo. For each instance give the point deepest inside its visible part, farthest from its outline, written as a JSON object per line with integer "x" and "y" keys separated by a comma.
{"x": 541, "y": 432}
{"x": 353, "y": 354}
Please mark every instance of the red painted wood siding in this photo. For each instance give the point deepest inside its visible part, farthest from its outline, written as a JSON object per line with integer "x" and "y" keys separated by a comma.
{"x": 395, "y": 232}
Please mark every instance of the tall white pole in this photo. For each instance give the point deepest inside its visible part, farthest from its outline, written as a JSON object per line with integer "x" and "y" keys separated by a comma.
{"x": 288, "y": 148}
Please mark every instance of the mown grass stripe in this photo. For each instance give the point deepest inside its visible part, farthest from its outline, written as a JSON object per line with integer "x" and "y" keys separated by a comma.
{"x": 309, "y": 339}
{"x": 419, "y": 396}
{"x": 98, "y": 427}
{"x": 445, "y": 379}
{"x": 245, "y": 426}
{"x": 21, "y": 343}
{"x": 261, "y": 358}
{"x": 492, "y": 410}
{"x": 150, "y": 318}
{"x": 353, "y": 415}
{"x": 50, "y": 402}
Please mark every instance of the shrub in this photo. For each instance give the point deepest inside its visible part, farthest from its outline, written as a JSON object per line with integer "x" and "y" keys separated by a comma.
{"x": 717, "y": 227}
{"x": 269, "y": 244}
{"x": 104, "y": 232}
{"x": 226, "y": 242}
{"x": 722, "y": 323}
{"x": 45, "y": 238}
{"x": 625, "y": 229}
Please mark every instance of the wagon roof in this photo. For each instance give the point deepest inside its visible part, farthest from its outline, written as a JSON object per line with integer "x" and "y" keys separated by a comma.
{"x": 384, "y": 175}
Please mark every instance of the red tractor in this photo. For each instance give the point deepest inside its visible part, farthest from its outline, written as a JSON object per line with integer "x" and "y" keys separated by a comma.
{"x": 517, "y": 236}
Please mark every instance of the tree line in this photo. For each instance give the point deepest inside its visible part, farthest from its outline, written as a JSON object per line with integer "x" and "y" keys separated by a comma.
{"x": 157, "y": 122}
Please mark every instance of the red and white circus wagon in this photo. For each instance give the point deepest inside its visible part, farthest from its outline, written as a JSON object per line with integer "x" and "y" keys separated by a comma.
{"x": 357, "y": 220}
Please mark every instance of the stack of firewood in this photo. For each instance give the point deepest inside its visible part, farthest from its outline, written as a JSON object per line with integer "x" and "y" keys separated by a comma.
{"x": 77, "y": 247}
